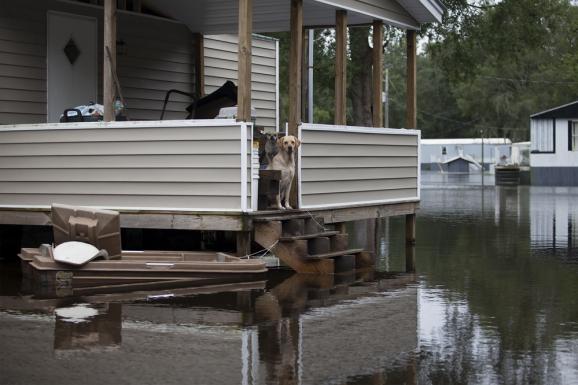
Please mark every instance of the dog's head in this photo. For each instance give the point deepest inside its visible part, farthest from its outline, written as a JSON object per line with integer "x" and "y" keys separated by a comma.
{"x": 288, "y": 143}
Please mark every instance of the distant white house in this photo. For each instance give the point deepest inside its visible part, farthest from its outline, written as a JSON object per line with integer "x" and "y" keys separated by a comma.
{"x": 435, "y": 152}
{"x": 554, "y": 150}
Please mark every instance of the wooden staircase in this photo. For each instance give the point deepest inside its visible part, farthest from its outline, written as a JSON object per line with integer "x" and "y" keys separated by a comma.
{"x": 302, "y": 242}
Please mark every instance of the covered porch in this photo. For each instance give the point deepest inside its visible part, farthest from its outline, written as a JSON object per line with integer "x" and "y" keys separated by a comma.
{"x": 203, "y": 174}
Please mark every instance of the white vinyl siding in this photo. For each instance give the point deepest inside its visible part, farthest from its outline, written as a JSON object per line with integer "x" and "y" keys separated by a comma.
{"x": 181, "y": 165}
{"x": 355, "y": 165}
{"x": 542, "y": 135}
{"x": 221, "y": 63}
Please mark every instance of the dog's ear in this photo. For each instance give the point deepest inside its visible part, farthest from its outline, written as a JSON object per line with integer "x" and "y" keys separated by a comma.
{"x": 280, "y": 141}
{"x": 297, "y": 142}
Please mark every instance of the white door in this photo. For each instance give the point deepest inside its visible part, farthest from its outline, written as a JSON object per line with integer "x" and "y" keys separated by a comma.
{"x": 72, "y": 68}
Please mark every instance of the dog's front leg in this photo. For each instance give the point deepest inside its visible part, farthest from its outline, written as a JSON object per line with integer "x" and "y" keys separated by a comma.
{"x": 279, "y": 206}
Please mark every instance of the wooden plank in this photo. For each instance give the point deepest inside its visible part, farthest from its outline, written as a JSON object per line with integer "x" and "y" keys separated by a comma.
{"x": 295, "y": 62}
{"x": 341, "y": 67}
{"x": 199, "y": 64}
{"x": 243, "y": 243}
{"x": 348, "y": 214}
{"x": 267, "y": 235}
{"x": 25, "y": 217}
{"x": 377, "y": 81}
{"x": 244, "y": 80}
{"x": 109, "y": 63}
{"x": 411, "y": 82}
{"x": 334, "y": 254}
{"x": 183, "y": 221}
{"x": 309, "y": 236}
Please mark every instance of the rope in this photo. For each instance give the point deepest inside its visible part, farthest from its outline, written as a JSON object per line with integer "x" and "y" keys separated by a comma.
{"x": 315, "y": 220}
{"x": 261, "y": 253}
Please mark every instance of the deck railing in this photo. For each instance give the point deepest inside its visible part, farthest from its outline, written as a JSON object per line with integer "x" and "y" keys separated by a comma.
{"x": 188, "y": 165}
{"x": 342, "y": 166}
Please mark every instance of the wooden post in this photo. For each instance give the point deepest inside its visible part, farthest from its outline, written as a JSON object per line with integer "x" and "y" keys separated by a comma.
{"x": 109, "y": 65}
{"x": 243, "y": 243}
{"x": 411, "y": 98}
{"x": 199, "y": 65}
{"x": 340, "y": 67}
{"x": 295, "y": 62}
{"x": 409, "y": 258}
{"x": 244, "y": 82}
{"x": 410, "y": 229}
{"x": 377, "y": 73}
{"x": 304, "y": 78}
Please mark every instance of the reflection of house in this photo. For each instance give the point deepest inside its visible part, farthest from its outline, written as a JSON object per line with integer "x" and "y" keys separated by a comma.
{"x": 554, "y": 155}
{"x": 438, "y": 151}
{"x": 554, "y": 222}
{"x": 306, "y": 329}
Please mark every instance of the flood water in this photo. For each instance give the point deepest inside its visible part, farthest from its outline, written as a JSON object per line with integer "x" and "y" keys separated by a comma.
{"x": 493, "y": 300}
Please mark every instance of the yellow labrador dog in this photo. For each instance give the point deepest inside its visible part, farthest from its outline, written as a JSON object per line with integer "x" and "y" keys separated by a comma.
{"x": 285, "y": 162}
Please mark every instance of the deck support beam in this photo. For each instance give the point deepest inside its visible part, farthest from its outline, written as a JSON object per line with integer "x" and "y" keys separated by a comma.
{"x": 244, "y": 81}
{"x": 410, "y": 229}
{"x": 295, "y": 68}
{"x": 411, "y": 95}
{"x": 341, "y": 67}
{"x": 243, "y": 243}
{"x": 377, "y": 89}
{"x": 109, "y": 65}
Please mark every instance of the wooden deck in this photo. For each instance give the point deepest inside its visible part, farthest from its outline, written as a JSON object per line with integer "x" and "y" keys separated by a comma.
{"x": 218, "y": 221}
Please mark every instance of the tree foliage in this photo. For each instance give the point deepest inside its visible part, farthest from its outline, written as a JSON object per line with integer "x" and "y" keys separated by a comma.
{"x": 486, "y": 68}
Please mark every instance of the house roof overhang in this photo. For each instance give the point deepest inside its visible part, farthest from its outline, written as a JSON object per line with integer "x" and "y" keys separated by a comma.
{"x": 221, "y": 16}
{"x": 566, "y": 111}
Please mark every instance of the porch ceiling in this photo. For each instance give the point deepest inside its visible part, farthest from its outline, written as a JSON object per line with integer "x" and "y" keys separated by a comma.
{"x": 220, "y": 16}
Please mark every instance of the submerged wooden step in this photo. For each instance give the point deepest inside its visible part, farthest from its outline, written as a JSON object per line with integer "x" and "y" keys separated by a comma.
{"x": 309, "y": 236}
{"x": 334, "y": 254}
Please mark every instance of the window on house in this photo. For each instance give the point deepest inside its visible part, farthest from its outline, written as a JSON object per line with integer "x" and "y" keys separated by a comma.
{"x": 444, "y": 151}
{"x": 573, "y": 136}
{"x": 542, "y": 135}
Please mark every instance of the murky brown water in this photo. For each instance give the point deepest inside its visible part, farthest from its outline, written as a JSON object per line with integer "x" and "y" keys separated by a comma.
{"x": 494, "y": 301}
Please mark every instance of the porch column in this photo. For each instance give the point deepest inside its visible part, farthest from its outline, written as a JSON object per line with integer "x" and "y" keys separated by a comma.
{"x": 109, "y": 65}
{"x": 295, "y": 61}
{"x": 377, "y": 86}
{"x": 411, "y": 98}
{"x": 244, "y": 81}
{"x": 340, "y": 67}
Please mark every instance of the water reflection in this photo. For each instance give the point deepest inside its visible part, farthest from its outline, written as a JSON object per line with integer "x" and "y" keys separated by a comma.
{"x": 87, "y": 327}
{"x": 301, "y": 329}
{"x": 494, "y": 300}
{"x": 554, "y": 222}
